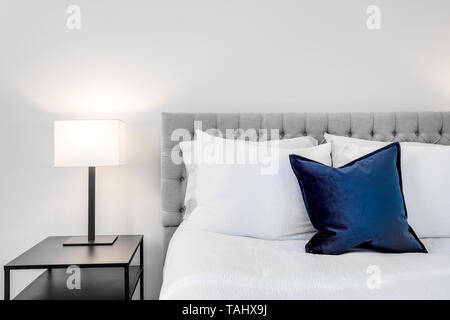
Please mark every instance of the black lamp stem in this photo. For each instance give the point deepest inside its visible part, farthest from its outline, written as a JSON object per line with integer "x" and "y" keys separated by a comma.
{"x": 91, "y": 209}
{"x": 91, "y": 239}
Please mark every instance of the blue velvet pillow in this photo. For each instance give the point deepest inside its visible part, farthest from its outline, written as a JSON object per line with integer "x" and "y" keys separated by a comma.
{"x": 359, "y": 204}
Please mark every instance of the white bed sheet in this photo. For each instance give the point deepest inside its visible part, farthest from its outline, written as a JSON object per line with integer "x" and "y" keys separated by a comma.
{"x": 206, "y": 265}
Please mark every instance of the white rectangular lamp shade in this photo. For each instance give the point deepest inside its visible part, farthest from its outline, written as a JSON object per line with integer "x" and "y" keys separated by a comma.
{"x": 89, "y": 143}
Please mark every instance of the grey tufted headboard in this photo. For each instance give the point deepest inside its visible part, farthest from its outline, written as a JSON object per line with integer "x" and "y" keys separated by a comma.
{"x": 427, "y": 127}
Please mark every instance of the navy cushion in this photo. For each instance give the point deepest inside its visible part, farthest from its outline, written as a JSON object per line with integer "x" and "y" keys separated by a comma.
{"x": 359, "y": 204}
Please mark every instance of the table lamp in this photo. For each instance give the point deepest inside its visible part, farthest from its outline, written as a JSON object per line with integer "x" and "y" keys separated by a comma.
{"x": 89, "y": 143}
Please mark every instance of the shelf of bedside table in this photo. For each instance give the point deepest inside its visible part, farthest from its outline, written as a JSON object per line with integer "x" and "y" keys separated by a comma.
{"x": 96, "y": 283}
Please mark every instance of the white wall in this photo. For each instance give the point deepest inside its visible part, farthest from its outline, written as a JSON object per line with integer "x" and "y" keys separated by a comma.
{"x": 133, "y": 59}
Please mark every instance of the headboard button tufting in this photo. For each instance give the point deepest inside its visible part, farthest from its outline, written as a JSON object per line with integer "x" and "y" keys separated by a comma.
{"x": 370, "y": 126}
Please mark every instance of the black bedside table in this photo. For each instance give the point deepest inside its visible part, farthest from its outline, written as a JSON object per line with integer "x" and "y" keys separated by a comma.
{"x": 106, "y": 271}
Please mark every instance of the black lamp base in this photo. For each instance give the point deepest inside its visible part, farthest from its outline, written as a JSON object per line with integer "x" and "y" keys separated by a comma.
{"x": 84, "y": 241}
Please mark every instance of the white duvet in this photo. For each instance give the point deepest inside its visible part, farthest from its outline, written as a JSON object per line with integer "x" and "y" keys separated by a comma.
{"x": 206, "y": 265}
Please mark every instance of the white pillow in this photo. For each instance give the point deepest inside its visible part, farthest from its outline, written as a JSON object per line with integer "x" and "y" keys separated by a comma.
{"x": 191, "y": 148}
{"x": 260, "y": 200}
{"x": 346, "y": 149}
{"x": 426, "y": 180}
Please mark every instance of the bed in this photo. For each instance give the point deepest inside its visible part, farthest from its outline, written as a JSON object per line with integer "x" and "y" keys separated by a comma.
{"x": 207, "y": 265}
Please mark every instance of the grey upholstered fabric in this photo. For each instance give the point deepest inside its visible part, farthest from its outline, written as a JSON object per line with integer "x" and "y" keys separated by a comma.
{"x": 427, "y": 127}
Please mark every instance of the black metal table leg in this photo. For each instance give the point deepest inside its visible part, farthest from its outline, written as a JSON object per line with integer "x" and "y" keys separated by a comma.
{"x": 127, "y": 282}
{"x": 7, "y": 285}
{"x": 141, "y": 256}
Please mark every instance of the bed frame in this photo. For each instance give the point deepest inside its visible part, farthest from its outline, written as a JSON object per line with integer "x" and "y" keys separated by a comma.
{"x": 427, "y": 127}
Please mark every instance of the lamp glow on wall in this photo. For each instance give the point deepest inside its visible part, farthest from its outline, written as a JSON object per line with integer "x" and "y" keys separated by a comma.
{"x": 89, "y": 143}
